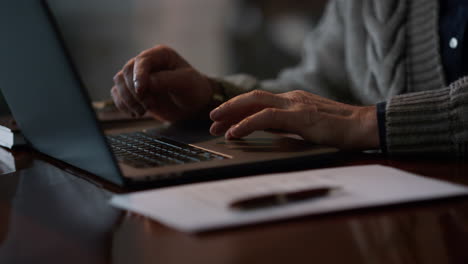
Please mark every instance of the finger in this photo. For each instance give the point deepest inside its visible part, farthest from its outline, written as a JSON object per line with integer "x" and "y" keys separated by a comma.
{"x": 118, "y": 101}
{"x": 220, "y": 128}
{"x": 160, "y": 58}
{"x": 269, "y": 118}
{"x": 127, "y": 97}
{"x": 127, "y": 72}
{"x": 128, "y": 77}
{"x": 141, "y": 71}
{"x": 246, "y": 104}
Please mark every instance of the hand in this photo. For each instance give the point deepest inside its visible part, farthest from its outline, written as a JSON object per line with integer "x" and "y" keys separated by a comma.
{"x": 162, "y": 83}
{"x": 315, "y": 118}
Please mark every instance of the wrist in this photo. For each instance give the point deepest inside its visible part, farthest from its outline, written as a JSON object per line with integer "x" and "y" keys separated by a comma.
{"x": 217, "y": 95}
{"x": 368, "y": 129}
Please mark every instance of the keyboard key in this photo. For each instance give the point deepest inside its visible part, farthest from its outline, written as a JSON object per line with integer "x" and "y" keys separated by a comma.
{"x": 141, "y": 150}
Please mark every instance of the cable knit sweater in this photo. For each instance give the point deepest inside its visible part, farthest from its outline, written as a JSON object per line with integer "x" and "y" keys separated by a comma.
{"x": 368, "y": 51}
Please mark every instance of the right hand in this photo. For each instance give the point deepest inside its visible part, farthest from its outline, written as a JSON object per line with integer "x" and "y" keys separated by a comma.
{"x": 159, "y": 81}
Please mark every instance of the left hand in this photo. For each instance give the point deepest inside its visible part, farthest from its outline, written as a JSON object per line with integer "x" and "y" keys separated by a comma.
{"x": 314, "y": 118}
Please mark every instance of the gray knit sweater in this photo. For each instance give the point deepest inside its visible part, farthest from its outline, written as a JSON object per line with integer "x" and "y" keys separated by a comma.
{"x": 367, "y": 51}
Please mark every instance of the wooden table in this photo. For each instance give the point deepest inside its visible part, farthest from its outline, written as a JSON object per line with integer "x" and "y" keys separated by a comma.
{"x": 48, "y": 215}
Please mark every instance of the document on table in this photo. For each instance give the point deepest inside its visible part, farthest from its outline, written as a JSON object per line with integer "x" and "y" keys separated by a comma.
{"x": 205, "y": 206}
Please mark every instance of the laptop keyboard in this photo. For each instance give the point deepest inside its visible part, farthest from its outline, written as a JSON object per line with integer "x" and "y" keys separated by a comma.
{"x": 141, "y": 150}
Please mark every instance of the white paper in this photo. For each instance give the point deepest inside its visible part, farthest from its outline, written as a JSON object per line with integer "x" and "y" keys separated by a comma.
{"x": 205, "y": 206}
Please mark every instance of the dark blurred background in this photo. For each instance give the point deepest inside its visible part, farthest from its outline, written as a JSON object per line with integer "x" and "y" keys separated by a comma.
{"x": 218, "y": 37}
{"x": 266, "y": 36}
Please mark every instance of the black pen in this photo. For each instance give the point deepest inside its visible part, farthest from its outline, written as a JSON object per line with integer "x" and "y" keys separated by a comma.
{"x": 279, "y": 198}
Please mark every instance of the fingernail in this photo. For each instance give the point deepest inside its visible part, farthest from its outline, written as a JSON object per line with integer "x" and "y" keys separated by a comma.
{"x": 137, "y": 86}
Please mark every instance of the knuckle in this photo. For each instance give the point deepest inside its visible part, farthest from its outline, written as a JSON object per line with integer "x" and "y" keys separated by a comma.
{"x": 309, "y": 114}
{"x": 113, "y": 93}
{"x": 298, "y": 96}
{"x": 141, "y": 58}
{"x": 257, "y": 93}
{"x": 143, "y": 54}
{"x": 130, "y": 63}
{"x": 304, "y": 108}
{"x": 271, "y": 113}
{"x": 163, "y": 48}
{"x": 128, "y": 70}
{"x": 118, "y": 77}
{"x": 247, "y": 123}
{"x": 120, "y": 87}
{"x": 158, "y": 49}
{"x": 227, "y": 104}
{"x": 299, "y": 92}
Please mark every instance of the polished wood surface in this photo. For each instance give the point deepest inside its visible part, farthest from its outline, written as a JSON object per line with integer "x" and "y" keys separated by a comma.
{"x": 49, "y": 215}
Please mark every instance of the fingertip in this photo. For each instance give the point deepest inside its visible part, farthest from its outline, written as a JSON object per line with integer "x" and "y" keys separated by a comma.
{"x": 139, "y": 88}
{"x": 230, "y": 135}
{"x": 213, "y": 130}
{"x": 233, "y": 134}
{"x": 217, "y": 129}
{"x": 117, "y": 76}
{"x": 214, "y": 114}
{"x": 227, "y": 136}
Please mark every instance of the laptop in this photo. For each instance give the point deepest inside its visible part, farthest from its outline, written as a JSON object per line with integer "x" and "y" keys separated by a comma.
{"x": 53, "y": 110}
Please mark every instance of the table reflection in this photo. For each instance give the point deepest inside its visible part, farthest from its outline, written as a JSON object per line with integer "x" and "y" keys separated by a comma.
{"x": 50, "y": 216}
{"x": 429, "y": 235}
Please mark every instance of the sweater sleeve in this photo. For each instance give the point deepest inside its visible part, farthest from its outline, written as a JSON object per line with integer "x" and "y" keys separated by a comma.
{"x": 322, "y": 70}
{"x": 433, "y": 121}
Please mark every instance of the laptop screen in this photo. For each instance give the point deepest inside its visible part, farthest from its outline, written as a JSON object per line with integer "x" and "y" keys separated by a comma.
{"x": 44, "y": 93}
